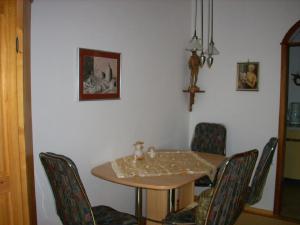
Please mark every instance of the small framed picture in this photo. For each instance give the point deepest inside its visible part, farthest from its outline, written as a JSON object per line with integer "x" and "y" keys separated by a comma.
{"x": 99, "y": 75}
{"x": 247, "y": 76}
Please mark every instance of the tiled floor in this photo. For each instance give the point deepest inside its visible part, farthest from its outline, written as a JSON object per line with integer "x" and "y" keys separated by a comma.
{"x": 291, "y": 199}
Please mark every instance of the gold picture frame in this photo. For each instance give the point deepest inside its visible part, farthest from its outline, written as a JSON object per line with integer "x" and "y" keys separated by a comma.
{"x": 247, "y": 76}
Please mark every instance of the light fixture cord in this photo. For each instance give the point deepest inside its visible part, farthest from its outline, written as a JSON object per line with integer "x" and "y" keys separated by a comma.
{"x": 208, "y": 27}
{"x": 212, "y": 20}
{"x": 202, "y": 22}
{"x": 196, "y": 6}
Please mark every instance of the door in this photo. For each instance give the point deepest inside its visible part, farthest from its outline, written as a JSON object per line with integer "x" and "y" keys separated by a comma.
{"x": 288, "y": 41}
{"x": 290, "y": 200}
{"x": 13, "y": 174}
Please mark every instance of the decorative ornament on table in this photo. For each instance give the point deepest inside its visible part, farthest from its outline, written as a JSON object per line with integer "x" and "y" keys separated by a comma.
{"x": 138, "y": 150}
{"x": 151, "y": 152}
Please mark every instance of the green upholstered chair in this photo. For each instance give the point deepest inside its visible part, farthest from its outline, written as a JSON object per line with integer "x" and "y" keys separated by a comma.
{"x": 210, "y": 138}
{"x": 72, "y": 204}
{"x": 261, "y": 173}
{"x": 255, "y": 190}
{"x": 226, "y": 199}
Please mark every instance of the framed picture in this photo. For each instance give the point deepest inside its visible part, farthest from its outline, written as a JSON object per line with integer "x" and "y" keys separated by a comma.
{"x": 247, "y": 76}
{"x": 99, "y": 75}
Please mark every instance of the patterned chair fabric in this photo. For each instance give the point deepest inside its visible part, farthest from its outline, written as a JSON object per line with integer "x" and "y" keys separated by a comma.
{"x": 210, "y": 138}
{"x": 261, "y": 172}
{"x": 203, "y": 204}
{"x": 258, "y": 182}
{"x": 226, "y": 200}
{"x": 181, "y": 217}
{"x": 72, "y": 204}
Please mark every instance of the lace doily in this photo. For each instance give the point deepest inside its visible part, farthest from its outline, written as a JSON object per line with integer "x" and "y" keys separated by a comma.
{"x": 163, "y": 163}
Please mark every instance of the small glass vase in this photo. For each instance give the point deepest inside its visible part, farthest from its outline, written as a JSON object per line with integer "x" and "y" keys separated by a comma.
{"x": 138, "y": 150}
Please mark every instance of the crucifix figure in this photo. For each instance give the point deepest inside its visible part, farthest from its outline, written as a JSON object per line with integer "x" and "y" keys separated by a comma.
{"x": 194, "y": 63}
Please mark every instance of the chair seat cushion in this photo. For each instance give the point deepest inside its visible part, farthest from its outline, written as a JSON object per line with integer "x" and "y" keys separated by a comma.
{"x": 105, "y": 215}
{"x": 196, "y": 215}
{"x": 203, "y": 204}
{"x": 181, "y": 217}
{"x": 249, "y": 201}
{"x": 203, "y": 182}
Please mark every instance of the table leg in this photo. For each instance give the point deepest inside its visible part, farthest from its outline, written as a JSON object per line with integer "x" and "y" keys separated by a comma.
{"x": 185, "y": 195}
{"x": 139, "y": 205}
{"x": 161, "y": 202}
{"x": 157, "y": 205}
{"x": 171, "y": 201}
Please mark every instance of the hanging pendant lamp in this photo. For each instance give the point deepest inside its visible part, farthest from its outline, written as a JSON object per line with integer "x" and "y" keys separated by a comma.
{"x": 202, "y": 56}
{"x": 211, "y": 49}
{"x": 195, "y": 43}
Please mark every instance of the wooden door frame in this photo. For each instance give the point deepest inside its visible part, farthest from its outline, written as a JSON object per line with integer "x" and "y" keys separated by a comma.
{"x": 285, "y": 44}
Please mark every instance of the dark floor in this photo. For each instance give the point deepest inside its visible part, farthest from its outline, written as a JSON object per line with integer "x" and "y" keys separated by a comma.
{"x": 291, "y": 199}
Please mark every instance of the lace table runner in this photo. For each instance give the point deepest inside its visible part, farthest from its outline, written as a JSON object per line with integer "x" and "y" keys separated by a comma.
{"x": 163, "y": 163}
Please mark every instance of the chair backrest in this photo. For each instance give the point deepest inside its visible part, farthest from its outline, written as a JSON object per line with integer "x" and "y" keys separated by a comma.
{"x": 230, "y": 192}
{"x": 72, "y": 204}
{"x": 210, "y": 138}
{"x": 261, "y": 172}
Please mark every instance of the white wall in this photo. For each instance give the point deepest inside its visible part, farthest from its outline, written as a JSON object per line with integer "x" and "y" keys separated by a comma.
{"x": 151, "y": 36}
{"x": 246, "y": 30}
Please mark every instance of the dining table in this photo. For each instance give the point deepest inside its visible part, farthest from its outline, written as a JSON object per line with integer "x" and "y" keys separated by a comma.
{"x": 167, "y": 178}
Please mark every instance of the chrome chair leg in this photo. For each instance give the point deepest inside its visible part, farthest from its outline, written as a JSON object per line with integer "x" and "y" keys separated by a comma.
{"x": 171, "y": 201}
{"x": 139, "y": 205}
